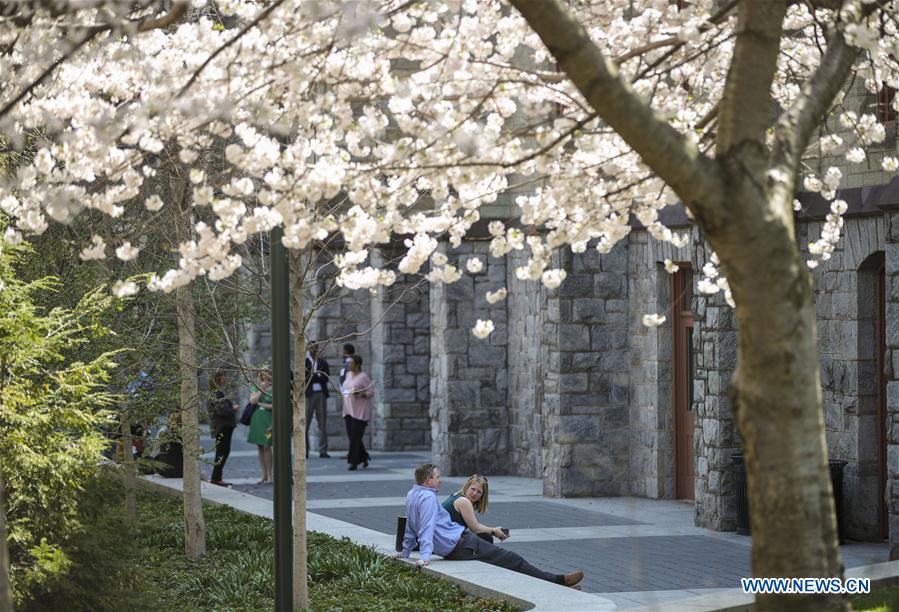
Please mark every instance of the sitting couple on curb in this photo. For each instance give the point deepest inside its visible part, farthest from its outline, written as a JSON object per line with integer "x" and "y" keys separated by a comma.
{"x": 430, "y": 526}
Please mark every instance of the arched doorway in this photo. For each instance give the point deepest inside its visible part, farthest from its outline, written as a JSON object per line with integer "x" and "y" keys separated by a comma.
{"x": 868, "y": 510}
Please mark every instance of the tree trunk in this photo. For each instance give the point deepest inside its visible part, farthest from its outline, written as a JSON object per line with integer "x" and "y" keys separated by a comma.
{"x": 194, "y": 525}
{"x": 128, "y": 467}
{"x": 5, "y": 587}
{"x": 777, "y": 398}
{"x": 297, "y": 319}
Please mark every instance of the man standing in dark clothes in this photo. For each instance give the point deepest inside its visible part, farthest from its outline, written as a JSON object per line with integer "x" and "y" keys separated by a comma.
{"x": 223, "y": 414}
{"x": 318, "y": 376}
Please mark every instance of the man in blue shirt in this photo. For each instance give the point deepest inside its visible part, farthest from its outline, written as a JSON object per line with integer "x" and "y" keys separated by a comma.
{"x": 428, "y": 524}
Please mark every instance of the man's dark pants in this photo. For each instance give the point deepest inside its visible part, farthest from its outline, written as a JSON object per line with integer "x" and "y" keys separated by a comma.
{"x": 474, "y": 548}
{"x": 222, "y": 450}
{"x": 317, "y": 404}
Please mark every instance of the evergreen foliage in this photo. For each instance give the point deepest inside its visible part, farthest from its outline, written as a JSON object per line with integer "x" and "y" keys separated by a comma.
{"x": 52, "y": 410}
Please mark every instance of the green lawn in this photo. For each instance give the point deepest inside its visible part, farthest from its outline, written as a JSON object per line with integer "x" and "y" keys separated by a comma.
{"x": 886, "y": 600}
{"x": 237, "y": 571}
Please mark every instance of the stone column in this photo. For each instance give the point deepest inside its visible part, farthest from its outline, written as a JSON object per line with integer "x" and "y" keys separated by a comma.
{"x": 400, "y": 364}
{"x": 586, "y": 382}
{"x": 714, "y": 437}
{"x": 891, "y": 361}
{"x": 469, "y": 416}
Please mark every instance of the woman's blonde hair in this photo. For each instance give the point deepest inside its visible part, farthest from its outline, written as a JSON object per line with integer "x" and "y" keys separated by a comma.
{"x": 480, "y": 506}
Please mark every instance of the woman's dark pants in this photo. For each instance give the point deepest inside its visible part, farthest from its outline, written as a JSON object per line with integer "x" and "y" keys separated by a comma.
{"x": 222, "y": 450}
{"x": 355, "y": 430}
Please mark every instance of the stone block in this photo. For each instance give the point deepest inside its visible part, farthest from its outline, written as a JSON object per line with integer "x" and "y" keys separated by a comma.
{"x": 456, "y": 341}
{"x": 588, "y": 261}
{"x": 574, "y": 338}
{"x": 727, "y": 350}
{"x": 573, "y": 383}
{"x": 610, "y": 285}
{"x": 615, "y": 361}
{"x": 587, "y": 310}
{"x": 600, "y": 339}
{"x": 578, "y": 428}
{"x": 616, "y": 259}
{"x": 584, "y": 362}
{"x": 481, "y": 354}
{"x": 421, "y": 345}
{"x": 462, "y": 393}
{"x": 399, "y": 395}
{"x": 576, "y": 286}
{"x": 418, "y": 320}
{"x": 418, "y": 364}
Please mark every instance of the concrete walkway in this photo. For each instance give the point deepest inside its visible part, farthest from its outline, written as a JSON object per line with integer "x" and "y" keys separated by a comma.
{"x": 634, "y": 552}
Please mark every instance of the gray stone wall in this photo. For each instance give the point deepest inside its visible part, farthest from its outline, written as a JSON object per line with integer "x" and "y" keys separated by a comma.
{"x": 526, "y": 303}
{"x": 844, "y": 294}
{"x": 341, "y": 316}
{"x": 469, "y": 377}
{"x": 585, "y": 371}
{"x": 892, "y": 368}
{"x": 651, "y": 453}
{"x": 715, "y": 437}
{"x": 400, "y": 364}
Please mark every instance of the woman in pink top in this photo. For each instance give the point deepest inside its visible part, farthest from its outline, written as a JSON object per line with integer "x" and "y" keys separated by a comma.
{"x": 357, "y": 393}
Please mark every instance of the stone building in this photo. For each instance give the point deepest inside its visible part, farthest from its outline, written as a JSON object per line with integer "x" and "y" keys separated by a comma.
{"x": 573, "y": 389}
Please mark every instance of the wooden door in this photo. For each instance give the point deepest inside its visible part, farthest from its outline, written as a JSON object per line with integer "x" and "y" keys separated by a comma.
{"x": 682, "y": 371}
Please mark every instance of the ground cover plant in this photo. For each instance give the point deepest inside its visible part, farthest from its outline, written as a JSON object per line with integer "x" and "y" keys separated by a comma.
{"x": 237, "y": 571}
{"x": 886, "y": 600}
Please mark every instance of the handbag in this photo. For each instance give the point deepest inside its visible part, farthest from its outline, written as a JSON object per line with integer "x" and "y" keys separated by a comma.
{"x": 247, "y": 415}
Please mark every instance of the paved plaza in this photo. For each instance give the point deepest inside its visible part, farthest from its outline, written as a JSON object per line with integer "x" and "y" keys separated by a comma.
{"x": 634, "y": 551}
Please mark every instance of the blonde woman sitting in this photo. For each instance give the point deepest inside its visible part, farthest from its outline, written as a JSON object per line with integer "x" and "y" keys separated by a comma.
{"x": 471, "y": 498}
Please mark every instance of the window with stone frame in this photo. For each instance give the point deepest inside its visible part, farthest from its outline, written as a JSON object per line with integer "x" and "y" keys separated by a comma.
{"x": 884, "y": 110}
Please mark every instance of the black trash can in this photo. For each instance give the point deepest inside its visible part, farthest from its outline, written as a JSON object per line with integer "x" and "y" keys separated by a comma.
{"x": 836, "y": 480}
{"x": 741, "y": 489}
{"x": 400, "y": 532}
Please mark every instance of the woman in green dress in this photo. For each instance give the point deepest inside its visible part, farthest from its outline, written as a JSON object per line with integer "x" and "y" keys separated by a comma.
{"x": 261, "y": 424}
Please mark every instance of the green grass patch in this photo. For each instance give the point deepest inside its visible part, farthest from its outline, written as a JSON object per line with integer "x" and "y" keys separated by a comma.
{"x": 237, "y": 572}
{"x": 886, "y": 600}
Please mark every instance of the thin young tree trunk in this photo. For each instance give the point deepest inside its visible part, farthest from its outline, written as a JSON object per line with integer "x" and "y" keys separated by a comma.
{"x": 300, "y": 583}
{"x": 128, "y": 466}
{"x": 194, "y": 525}
{"x": 5, "y": 587}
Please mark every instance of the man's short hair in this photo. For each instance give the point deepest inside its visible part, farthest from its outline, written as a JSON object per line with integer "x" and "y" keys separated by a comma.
{"x": 349, "y": 349}
{"x": 423, "y": 472}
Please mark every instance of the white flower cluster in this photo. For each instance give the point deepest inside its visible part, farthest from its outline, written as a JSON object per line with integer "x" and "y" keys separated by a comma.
{"x": 333, "y": 122}
{"x": 712, "y": 281}
{"x": 822, "y": 248}
{"x": 482, "y": 328}
{"x": 653, "y": 320}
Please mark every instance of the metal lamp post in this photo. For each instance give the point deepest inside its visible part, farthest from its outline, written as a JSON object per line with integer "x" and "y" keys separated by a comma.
{"x": 282, "y": 426}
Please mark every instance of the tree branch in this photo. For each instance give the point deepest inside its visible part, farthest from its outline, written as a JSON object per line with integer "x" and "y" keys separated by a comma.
{"x": 745, "y": 107}
{"x": 252, "y": 24}
{"x": 178, "y": 10}
{"x": 796, "y": 124}
{"x": 677, "y": 161}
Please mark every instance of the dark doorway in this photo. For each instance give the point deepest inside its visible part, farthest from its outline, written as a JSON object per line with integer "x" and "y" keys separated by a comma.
{"x": 867, "y": 507}
{"x": 881, "y": 388}
{"x": 682, "y": 354}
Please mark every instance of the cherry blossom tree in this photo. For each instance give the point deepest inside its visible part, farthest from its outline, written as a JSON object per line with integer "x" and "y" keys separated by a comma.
{"x": 370, "y": 120}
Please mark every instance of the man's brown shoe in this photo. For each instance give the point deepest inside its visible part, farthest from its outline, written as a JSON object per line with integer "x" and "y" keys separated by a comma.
{"x": 573, "y": 578}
